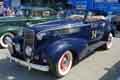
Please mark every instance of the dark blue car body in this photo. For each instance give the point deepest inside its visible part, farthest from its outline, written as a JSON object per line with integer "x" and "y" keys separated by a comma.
{"x": 49, "y": 40}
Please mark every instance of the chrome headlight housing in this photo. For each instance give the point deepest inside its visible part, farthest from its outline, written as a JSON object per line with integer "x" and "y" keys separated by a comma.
{"x": 28, "y": 51}
{"x": 20, "y": 33}
{"x": 17, "y": 47}
{"x": 103, "y": 24}
{"x": 40, "y": 35}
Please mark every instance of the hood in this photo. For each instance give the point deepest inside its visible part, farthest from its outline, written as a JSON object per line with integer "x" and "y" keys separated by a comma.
{"x": 52, "y": 25}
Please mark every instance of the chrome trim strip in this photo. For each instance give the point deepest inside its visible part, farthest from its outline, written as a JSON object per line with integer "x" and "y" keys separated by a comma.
{"x": 29, "y": 65}
{"x": 66, "y": 26}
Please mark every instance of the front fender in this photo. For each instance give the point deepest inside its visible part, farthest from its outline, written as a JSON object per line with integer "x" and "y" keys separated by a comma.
{"x": 56, "y": 49}
{"x": 4, "y": 29}
{"x": 18, "y": 39}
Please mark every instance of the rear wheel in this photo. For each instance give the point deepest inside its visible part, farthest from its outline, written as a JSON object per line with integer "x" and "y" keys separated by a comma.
{"x": 4, "y": 37}
{"x": 64, "y": 64}
{"x": 108, "y": 44}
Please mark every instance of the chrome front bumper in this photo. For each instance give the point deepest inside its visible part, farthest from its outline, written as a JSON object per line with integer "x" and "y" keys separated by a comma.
{"x": 29, "y": 65}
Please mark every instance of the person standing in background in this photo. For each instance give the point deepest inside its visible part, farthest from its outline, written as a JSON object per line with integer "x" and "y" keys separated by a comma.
{"x": 1, "y": 9}
{"x": 6, "y": 5}
{"x": 8, "y": 10}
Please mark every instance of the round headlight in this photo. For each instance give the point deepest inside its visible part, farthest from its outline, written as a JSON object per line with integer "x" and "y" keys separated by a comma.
{"x": 103, "y": 24}
{"x": 8, "y": 40}
{"x": 40, "y": 35}
{"x": 17, "y": 47}
{"x": 20, "y": 33}
{"x": 28, "y": 51}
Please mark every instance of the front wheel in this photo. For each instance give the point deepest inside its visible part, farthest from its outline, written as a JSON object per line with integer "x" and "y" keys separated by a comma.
{"x": 64, "y": 64}
{"x": 5, "y": 37}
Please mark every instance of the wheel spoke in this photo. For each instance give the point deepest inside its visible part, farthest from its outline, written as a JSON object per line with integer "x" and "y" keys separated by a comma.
{"x": 65, "y": 62}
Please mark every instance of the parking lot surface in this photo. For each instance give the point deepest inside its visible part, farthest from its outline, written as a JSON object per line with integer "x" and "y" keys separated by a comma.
{"x": 101, "y": 65}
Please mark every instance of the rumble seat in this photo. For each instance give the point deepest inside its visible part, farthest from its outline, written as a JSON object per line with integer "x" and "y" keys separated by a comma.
{"x": 88, "y": 19}
{"x": 94, "y": 18}
{"x": 76, "y": 17}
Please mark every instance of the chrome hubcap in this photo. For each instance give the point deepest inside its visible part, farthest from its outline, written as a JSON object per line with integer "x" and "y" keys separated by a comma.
{"x": 109, "y": 42}
{"x": 65, "y": 62}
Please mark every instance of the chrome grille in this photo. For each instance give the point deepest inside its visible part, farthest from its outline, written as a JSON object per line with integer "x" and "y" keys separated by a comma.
{"x": 29, "y": 36}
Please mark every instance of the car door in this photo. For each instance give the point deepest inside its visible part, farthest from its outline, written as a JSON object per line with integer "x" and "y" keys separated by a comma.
{"x": 96, "y": 34}
{"x": 96, "y": 31}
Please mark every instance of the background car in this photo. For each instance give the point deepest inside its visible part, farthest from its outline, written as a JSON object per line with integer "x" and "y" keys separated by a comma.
{"x": 10, "y": 25}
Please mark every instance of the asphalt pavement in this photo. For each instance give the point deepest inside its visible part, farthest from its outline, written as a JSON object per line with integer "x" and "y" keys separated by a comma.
{"x": 101, "y": 65}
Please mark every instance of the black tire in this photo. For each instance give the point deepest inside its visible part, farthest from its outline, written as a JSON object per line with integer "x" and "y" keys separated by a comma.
{"x": 3, "y": 38}
{"x": 63, "y": 65}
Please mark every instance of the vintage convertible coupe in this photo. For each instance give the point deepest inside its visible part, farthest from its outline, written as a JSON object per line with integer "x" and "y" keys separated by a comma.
{"x": 56, "y": 45}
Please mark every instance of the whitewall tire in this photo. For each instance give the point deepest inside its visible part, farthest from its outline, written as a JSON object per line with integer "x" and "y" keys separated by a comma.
{"x": 108, "y": 44}
{"x": 4, "y": 37}
{"x": 64, "y": 64}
